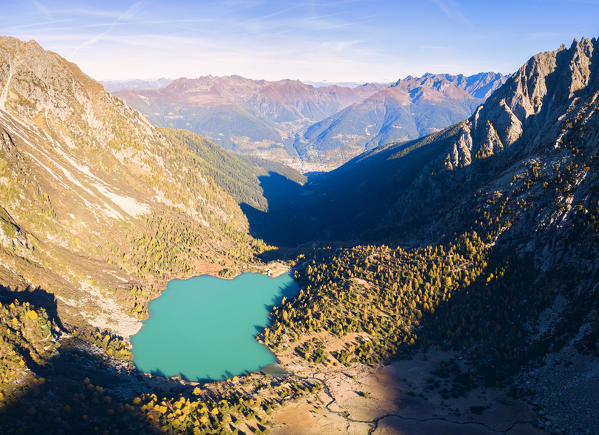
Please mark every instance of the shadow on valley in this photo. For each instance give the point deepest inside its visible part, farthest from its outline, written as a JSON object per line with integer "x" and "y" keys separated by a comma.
{"x": 77, "y": 389}
{"x": 400, "y": 192}
{"x": 36, "y": 297}
{"x": 284, "y": 223}
{"x": 286, "y": 291}
{"x": 81, "y": 393}
{"x": 379, "y": 198}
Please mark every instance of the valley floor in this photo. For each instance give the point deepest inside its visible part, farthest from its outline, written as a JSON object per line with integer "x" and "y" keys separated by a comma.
{"x": 397, "y": 398}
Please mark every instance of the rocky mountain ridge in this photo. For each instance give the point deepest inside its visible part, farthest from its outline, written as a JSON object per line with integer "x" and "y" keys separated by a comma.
{"x": 531, "y": 99}
{"x": 525, "y": 117}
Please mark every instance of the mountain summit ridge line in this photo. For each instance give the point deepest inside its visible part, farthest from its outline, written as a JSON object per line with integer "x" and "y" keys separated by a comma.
{"x": 292, "y": 122}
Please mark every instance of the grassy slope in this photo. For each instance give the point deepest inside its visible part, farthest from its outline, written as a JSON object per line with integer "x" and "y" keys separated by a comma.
{"x": 239, "y": 176}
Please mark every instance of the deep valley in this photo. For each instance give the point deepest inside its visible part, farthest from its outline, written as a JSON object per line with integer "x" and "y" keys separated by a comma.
{"x": 447, "y": 264}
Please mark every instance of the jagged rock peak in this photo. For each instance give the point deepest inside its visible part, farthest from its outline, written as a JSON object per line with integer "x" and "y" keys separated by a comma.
{"x": 531, "y": 99}
{"x": 35, "y": 82}
{"x": 479, "y": 85}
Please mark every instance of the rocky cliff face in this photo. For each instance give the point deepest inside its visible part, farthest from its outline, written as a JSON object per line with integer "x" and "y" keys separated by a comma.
{"x": 98, "y": 205}
{"x": 551, "y": 98}
{"x": 532, "y": 100}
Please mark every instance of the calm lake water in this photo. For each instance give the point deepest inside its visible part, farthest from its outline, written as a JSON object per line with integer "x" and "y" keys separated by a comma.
{"x": 203, "y": 328}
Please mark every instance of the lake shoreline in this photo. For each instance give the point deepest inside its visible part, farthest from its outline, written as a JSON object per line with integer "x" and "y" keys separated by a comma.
{"x": 204, "y": 328}
{"x": 273, "y": 269}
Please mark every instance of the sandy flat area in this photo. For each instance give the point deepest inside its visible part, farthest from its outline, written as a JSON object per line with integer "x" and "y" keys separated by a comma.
{"x": 394, "y": 399}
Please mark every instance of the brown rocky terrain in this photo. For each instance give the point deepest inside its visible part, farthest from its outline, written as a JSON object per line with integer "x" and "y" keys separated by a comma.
{"x": 397, "y": 399}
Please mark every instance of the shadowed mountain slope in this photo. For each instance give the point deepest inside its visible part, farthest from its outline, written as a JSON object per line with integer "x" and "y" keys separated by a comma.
{"x": 481, "y": 239}
{"x": 238, "y": 175}
{"x": 407, "y": 186}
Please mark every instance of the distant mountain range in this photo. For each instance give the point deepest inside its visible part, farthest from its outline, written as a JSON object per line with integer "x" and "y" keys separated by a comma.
{"x": 326, "y": 83}
{"x": 257, "y": 117}
{"x": 407, "y": 109}
{"x": 119, "y": 85}
{"x": 295, "y": 122}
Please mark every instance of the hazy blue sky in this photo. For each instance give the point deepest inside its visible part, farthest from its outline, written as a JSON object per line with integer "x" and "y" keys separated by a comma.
{"x": 336, "y": 40}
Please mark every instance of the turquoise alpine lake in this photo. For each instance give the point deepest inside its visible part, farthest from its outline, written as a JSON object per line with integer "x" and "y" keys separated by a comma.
{"x": 204, "y": 328}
